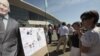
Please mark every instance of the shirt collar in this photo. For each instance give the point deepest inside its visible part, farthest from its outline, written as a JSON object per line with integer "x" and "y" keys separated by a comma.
{"x": 4, "y": 17}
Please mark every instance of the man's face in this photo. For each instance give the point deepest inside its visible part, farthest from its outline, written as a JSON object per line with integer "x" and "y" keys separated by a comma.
{"x": 76, "y": 27}
{"x": 3, "y": 9}
{"x": 87, "y": 23}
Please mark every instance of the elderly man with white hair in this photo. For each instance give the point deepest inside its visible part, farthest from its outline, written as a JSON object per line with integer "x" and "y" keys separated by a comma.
{"x": 10, "y": 41}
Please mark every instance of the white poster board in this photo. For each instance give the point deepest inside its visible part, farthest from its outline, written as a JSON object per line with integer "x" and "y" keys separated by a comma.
{"x": 33, "y": 39}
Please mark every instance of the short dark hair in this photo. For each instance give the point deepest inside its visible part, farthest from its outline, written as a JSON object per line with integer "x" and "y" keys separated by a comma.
{"x": 49, "y": 25}
{"x": 89, "y": 15}
{"x": 77, "y": 23}
{"x": 63, "y": 23}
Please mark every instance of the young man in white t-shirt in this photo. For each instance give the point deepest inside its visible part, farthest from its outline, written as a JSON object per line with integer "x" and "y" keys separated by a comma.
{"x": 90, "y": 40}
{"x": 63, "y": 31}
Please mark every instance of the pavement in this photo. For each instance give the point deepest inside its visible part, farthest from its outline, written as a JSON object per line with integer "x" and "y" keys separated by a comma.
{"x": 52, "y": 47}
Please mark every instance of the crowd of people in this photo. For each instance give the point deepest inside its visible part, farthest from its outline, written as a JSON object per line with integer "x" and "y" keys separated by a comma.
{"x": 83, "y": 38}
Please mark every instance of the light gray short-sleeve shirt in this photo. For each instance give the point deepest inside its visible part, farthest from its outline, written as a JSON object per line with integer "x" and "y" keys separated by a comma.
{"x": 91, "y": 39}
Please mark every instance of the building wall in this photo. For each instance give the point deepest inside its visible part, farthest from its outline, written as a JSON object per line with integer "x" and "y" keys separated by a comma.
{"x": 34, "y": 16}
{"x": 22, "y": 15}
{"x": 18, "y": 13}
